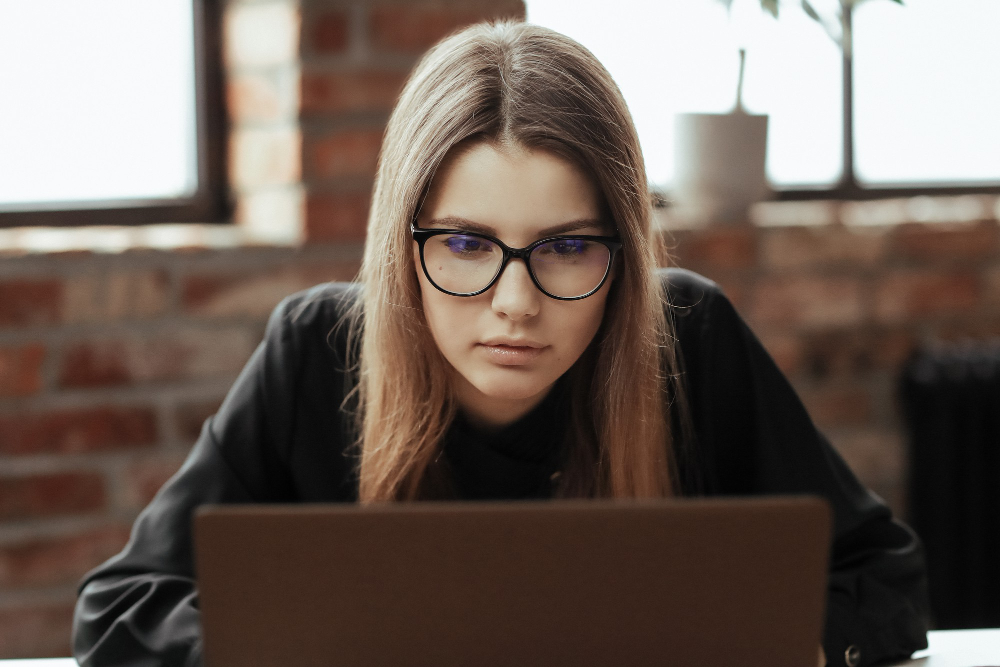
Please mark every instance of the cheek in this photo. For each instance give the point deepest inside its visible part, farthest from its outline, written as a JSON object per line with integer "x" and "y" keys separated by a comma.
{"x": 444, "y": 318}
{"x": 577, "y": 326}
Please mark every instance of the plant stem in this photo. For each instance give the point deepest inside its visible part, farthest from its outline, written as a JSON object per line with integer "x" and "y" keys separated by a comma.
{"x": 739, "y": 85}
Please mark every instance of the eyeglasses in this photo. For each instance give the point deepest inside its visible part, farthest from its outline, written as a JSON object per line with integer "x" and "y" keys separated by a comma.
{"x": 562, "y": 267}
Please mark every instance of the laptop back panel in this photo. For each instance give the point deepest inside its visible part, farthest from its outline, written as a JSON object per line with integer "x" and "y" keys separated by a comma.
{"x": 712, "y": 583}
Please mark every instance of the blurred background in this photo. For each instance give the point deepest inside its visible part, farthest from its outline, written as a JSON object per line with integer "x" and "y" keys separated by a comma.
{"x": 170, "y": 169}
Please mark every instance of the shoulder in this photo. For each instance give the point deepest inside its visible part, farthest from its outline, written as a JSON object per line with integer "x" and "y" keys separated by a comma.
{"x": 319, "y": 305}
{"x": 312, "y": 324}
{"x": 703, "y": 319}
{"x": 687, "y": 289}
{"x": 319, "y": 309}
{"x": 694, "y": 301}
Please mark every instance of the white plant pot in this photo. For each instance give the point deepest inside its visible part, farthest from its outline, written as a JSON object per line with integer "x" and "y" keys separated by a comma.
{"x": 719, "y": 167}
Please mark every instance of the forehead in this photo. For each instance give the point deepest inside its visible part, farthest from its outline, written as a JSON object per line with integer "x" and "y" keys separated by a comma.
{"x": 514, "y": 191}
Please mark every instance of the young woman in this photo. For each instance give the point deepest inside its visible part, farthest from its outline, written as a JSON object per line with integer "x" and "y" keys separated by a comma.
{"x": 510, "y": 337}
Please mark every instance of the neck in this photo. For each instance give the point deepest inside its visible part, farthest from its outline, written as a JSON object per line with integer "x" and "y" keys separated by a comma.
{"x": 490, "y": 413}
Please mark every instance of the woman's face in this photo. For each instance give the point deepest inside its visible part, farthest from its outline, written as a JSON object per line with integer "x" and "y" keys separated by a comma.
{"x": 517, "y": 195}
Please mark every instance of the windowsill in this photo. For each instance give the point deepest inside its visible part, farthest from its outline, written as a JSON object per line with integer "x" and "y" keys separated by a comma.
{"x": 20, "y": 241}
{"x": 871, "y": 213}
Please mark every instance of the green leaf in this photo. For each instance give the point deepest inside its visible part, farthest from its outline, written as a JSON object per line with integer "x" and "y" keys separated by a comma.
{"x": 771, "y": 6}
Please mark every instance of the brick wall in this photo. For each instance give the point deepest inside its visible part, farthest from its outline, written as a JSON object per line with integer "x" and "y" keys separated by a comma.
{"x": 109, "y": 362}
{"x": 841, "y": 306}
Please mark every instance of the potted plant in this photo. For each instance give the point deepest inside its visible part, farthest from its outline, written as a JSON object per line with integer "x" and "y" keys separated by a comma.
{"x": 720, "y": 158}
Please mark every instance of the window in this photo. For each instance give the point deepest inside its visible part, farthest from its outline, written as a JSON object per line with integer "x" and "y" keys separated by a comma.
{"x": 916, "y": 111}
{"x": 111, "y": 112}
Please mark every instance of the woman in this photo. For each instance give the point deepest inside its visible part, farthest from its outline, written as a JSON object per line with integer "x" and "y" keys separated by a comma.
{"x": 510, "y": 337}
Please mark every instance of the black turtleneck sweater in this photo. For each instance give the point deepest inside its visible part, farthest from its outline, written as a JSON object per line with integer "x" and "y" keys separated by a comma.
{"x": 519, "y": 460}
{"x": 279, "y": 437}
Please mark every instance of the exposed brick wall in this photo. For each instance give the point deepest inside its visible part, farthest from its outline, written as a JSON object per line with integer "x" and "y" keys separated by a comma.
{"x": 109, "y": 364}
{"x": 355, "y": 56}
{"x": 842, "y": 306}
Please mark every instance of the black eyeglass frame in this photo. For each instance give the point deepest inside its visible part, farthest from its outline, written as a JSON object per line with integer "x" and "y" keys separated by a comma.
{"x": 612, "y": 243}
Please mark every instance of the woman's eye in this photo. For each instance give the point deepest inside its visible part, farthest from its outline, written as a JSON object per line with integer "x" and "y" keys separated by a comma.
{"x": 568, "y": 247}
{"x": 467, "y": 244}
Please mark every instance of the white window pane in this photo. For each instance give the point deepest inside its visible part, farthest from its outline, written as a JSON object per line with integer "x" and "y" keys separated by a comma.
{"x": 795, "y": 76}
{"x": 667, "y": 56}
{"x": 97, "y": 100}
{"x": 927, "y": 92}
{"x": 680, "y": 56}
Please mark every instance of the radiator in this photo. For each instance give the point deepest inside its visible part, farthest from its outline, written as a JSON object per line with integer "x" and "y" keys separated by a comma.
{"x": 950, "y": 396}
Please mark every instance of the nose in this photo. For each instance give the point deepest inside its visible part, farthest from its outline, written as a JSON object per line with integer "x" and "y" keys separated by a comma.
{"x": 514, "y": 295}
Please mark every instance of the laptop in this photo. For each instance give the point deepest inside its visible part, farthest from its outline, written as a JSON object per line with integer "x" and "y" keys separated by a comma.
{"x": 706, "y": 582}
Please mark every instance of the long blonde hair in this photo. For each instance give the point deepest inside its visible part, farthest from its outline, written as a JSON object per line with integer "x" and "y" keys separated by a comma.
{"x": 530, "y": 86}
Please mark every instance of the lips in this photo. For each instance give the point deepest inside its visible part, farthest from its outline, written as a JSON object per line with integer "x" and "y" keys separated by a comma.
{"x": 511, "y": 342}
{"x": 504, "y": 354}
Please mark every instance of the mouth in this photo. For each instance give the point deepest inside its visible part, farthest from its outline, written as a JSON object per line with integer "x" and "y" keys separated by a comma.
{"x": 511, "y": 355}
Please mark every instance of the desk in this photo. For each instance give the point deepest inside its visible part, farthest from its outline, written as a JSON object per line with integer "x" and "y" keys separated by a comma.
{"x": 959, "y": 648}
{"x": 948, "y": 648}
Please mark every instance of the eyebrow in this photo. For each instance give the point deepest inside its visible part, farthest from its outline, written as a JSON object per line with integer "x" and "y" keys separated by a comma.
{"x": 453, "y": 222}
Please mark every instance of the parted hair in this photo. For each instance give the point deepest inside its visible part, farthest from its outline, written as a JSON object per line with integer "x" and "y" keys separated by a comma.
{"x": 513, "y": 84}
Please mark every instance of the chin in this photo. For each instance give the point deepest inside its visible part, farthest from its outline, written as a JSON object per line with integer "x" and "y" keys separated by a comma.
{"x": 506, "y": 385}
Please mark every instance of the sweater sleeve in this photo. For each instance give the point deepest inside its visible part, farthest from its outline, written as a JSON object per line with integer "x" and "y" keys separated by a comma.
{"x": 141, "y": 606}
{"x": 755, "y": 437}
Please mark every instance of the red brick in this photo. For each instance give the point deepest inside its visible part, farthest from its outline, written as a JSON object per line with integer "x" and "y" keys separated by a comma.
{"x": 808, "y": 247}
{"x": 74, "y": 431}
{"x": 947, "y": 242}
{"x": 21, "y": 369}
{"x": 806, "y": 301}
{"x": 847, "y": 353}
{"x": 350, "y": 152}
{"x": 185, "y": 354}
{"x": 144, "y": 478}
{"x": 413, "y": 28}
{"x": 257, "y": 294}
{"x": 714, "y": 249}
{"x": 787, "y": 351}
{"x": 55, "y": 561}
{"x": 991, "y": 289}
{"x": 342, "y": 92}
{"x": 36, "y": 630}
{"x": 329, "y": 32}
{"x": 50, "y": 495}
{"x": 735, "y": 287}
{"x": 876, "y": 456}
{"x": 94, "y": 365}
{"x": 31, "y": 302}
{"x": 337, "y": 217}
{"x": 191, "y": 416}
{"x": 913, "y": 295}
{"x": 833, "y": 407}
{"x": 117, "y": 296}
{"x": 969, "y": 326}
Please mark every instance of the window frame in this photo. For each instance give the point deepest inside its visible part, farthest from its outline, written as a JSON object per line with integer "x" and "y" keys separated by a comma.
{"x": 849, "y": 188}
{"x": 211, "y": 202}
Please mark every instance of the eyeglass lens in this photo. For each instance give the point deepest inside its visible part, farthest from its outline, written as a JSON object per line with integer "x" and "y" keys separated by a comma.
{"x": 465, "y": 263}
